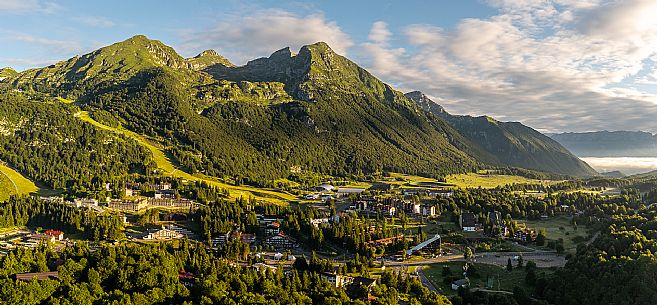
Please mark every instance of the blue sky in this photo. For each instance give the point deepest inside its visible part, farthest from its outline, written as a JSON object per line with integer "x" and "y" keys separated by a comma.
{"x": 556, "y": 65}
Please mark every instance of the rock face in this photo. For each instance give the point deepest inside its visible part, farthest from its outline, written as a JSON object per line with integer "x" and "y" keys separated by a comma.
{"x": 512, "y": 143}
{"x": 609, "y": 143}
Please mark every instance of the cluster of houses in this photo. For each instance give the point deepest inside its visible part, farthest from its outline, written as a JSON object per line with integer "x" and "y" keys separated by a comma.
{"x": 274, "y": 237}
{"x": 28, "y": 239}
{"x": 391, "y": 207}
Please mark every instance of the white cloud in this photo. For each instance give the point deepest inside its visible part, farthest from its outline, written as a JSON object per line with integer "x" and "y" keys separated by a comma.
{"x": 28, "y": 6}
{"x": 555, "y": 65}
{"x": 96, "y": 21}
{"x": 63, "y": 47}
{"x": 241, "y": 38}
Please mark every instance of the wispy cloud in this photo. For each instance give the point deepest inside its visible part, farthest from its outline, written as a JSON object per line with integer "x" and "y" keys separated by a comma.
{"x": 28, "y": 6}
{"x": 241, "y": 38}
{"x": 63, "y": 47}
{"x": 96, "y": 21}
{"x": 555, "y": 65}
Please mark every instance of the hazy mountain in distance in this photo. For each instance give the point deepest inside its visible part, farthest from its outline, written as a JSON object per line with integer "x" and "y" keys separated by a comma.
{"x": 511, "y": 143}
{"x": 609, "y": 143}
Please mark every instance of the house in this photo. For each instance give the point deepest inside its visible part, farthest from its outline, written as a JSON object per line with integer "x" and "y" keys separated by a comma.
{"x": 354, "y": 289}
{"x": 319, "y": 221}
{"x": 468, "y": 222}
{"x": 280, "y": 241}
{"x": 460, "y": 283}
{"x": 163, "y": 234}
{"x": 325, "y": 188}
{"x": 39, "y": 276}
{"x": 312, "y": 196}
{"x": 170, "y": 194}
{"x": 187, "y": 278}
{"x": 55, "y": 235}
{"x": 337, "y": 280}
{"x": 428, "y": 210}
{"x": 273, "y": 228}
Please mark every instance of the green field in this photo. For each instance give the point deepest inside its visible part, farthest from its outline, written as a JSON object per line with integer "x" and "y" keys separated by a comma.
{"x": 166, "y": 164}
{"x": 473, "y": 180}
{"x": 552, "y": 227}
{"x": 12, "y": 183}
{"x": 498, "y": 277}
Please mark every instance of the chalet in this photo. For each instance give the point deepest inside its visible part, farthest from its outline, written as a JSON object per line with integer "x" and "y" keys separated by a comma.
{"x": 55, "y": 235}
{"x": 273, "y": 228}
{"x": 280, "y": 241}
{"x": 460, "y": 283}
{"x": 163, "y": 234}
{"x": 468, "y": 222}
{"x": 337, "y": 280}
{"x": 39, "y": 276}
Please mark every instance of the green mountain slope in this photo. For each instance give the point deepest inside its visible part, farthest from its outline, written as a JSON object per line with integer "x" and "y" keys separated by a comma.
{"x": 512, "y": 143}
{"x": 274, "y": 117}
{"x": 6, "y": 73}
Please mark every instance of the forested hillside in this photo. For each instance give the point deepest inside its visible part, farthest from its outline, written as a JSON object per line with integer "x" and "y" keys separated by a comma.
{"x": 43, "y": 140}
{"x": 315, "y": 112}
{"x": 511, "y": 143}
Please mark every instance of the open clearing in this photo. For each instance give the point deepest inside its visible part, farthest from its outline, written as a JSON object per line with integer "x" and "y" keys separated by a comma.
{"x": 167, "y": 166}
{"x": 13, "y": 183}
{"x": 559, "y": 227}
{"x": 484, "y": 276}
{"x": 471, "y": 180}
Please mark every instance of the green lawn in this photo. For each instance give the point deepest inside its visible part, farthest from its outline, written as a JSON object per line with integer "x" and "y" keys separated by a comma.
{"x": 12, "y": 183}
{"x": 552, "y": 228}
{"x": 498, "y": 277}
{"x": 165, "y": 163}
{"x": 471, "y": 180}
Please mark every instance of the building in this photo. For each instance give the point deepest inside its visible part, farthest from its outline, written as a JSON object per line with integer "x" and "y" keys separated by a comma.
{"x": 460, "y": 283}
{"x": 169, "y": 194}
{"x": 273, "y": 228}
{"x": 325, "y": 188}
{"x": 128, "y": 205}
{"x": 428, "y": 210}
{"x": 346, "y": 191}
{"x": 319, "y": 221}
{"x": 85, "y": 202}
{"x": 55, "y": 235}
{"x": 39, "y": 276}
{"x": 468, "y": 222}
{"x": 280, "y": 241}
{"x": 384, "y": 187}
{"x": 163, "y": 234}
{"x": 187, "y": 278}
{"x": 165, "y": 202}
{"x": 337, "y": 280}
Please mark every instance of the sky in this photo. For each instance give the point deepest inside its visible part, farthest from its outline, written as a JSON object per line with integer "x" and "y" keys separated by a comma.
{"x": 555, "y": 65}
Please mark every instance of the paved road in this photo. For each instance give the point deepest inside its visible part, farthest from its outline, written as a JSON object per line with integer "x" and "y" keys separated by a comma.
{"x": 425, "y": 281}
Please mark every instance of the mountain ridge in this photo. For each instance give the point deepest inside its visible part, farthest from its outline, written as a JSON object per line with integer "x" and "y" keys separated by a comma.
{"x": 315, "y": 110}
{"x": 513, "y": 143}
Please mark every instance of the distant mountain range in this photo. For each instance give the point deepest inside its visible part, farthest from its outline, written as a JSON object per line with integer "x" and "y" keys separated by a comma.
{"x": 511, "y": 143}
{"x": 609, "y": 143}
{"x": 314, "y": 111}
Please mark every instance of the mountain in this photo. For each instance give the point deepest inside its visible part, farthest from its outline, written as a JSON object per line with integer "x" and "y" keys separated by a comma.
{"x": 512, "y": 143}
{"x": 7, "y": 73}
{"x": 613, "y": 174}
{"x": 206, "y": 59}
{"x": 286, "y": 115}
{"x": 609, "y": 143}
